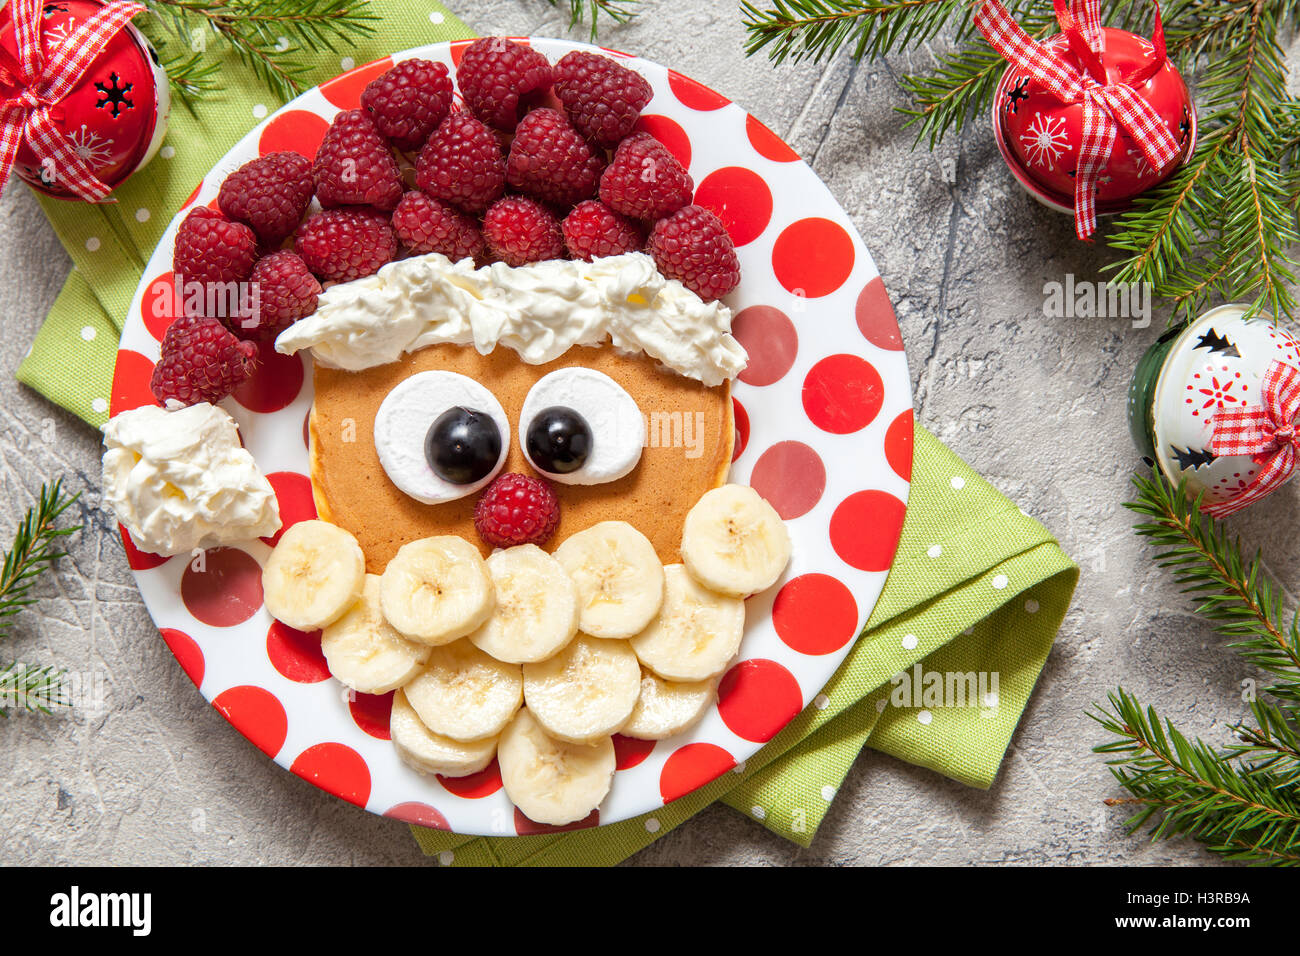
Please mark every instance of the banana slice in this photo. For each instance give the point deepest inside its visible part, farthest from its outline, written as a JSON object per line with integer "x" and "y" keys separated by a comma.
{"x": 427, "y": 752}
{"x": 696, "y": 634}
{"x": 619, "y": 578}
{"x": 586, "y": 691}
{"x": 364, "y": 652}
{"x": 536, "y": 612}
{"x": 436, "y": 590}
{"x": 464, "y": 694}
{"x": 313, "y": 576}
{"x": 734, "y": 542}
{"x": 666, "y": 708}
{"x": 549, "y": 780}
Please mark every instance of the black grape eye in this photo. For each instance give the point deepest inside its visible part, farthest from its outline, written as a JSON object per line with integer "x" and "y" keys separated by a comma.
{"x": 558, "y": 440}
{"x": 463, "y": 445}
{"x": 578, "y": 426}
{"x": 441, "y": 436}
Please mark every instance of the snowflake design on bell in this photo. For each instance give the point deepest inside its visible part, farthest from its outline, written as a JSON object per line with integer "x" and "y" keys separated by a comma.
{"x": 1045, "y": 140}
{"x": 1218, "y": 395}
{"x": 59, "y": 33}
{"x": 93, "y": 149}
{"x": 1139, "y": 158}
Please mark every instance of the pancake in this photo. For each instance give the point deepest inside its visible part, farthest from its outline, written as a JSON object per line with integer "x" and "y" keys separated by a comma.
{"x": 353, "y": 491}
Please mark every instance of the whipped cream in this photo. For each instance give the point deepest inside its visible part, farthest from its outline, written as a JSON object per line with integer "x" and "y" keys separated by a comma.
{"x": 179, "y": 480}
{"x": 538, "y": 310}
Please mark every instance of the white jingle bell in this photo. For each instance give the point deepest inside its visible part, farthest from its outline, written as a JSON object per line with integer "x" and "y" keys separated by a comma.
{"x": 1216, "y": 363}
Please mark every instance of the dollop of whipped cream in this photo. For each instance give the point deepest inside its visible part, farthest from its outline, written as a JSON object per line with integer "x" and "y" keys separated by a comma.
{"x": 538, "y": 310}
{"x": 179, "y": 480}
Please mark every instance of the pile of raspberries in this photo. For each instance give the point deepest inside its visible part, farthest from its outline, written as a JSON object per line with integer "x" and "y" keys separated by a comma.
{"x": 540, "y": 162}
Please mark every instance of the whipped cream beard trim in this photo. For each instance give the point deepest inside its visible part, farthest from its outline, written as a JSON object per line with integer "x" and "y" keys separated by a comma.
{"x": 407, "y": 449}
{"x": 179, "y": 480}
{"x": 539, "y": 310}
{"x": 615, "y": 428}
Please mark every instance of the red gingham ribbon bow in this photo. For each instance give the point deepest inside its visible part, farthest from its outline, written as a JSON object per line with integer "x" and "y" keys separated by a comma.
{"x": 1267, "y": 431}
{"x": 1105, "y": 107}
{"x": 37, "y": 86}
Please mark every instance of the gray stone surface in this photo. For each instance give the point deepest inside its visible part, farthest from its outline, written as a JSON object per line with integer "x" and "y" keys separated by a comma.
{"x": 1036, "y": 405}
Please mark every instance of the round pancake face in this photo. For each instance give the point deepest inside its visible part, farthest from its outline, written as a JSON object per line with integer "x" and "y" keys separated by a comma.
{"x": 687, "y": 451}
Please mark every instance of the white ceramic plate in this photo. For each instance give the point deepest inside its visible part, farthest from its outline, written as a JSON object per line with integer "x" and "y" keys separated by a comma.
{"x": 824, "y": 431}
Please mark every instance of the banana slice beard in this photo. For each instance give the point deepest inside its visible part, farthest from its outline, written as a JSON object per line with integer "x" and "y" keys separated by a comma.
{"x": 465, "y": 694}
{"x": 423, "y": 750}
{"x": 536, "y": 613}
{"x": 313, "y": 576}
{"x": 666, "y": 708}
{"x": 549, "y": 780}
{"x": 734, "y": 542}
{"x": 364, "y": 652}
{"x": 618, "y": 575}
{"x": 585, "y": 692}
{"x": 436, "y": 590}
{"x": 696, "y": 634}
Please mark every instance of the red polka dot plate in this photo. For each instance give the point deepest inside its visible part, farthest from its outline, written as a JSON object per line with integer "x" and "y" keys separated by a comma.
{"x": 824, "y": 430}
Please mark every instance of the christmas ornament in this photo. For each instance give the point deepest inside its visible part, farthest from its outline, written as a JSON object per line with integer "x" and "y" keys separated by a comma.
{"x": 1215, "y": 402}
{"x": 1091, "y": 117}
{"x": 84, "y": 97}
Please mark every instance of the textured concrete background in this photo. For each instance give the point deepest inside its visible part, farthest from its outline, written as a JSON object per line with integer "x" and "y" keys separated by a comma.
{"x": 1036, "y": 405}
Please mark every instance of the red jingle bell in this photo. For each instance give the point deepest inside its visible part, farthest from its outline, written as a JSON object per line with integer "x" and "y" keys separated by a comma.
{"x": 113, "y": 116}
{"x": 1090, "y": 93}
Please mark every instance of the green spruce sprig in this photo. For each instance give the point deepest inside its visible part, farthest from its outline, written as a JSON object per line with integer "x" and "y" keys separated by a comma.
{"x": 1241, "y": 800}
{"x": 1223, "y": 227}
{"x": 33, "y": 550}
{"x": 277, "y": 39}
{"x": 620, "y": 11}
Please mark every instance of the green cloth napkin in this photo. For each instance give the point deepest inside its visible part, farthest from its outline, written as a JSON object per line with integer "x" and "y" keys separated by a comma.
{"x": 977, "y": 587}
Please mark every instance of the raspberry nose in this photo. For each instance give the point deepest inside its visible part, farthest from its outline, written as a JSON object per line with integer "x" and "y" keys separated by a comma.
{"x": 516, "y": 509}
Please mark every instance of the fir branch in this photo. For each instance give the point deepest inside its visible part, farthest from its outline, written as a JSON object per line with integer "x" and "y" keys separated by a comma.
{"x": 620, "y": 11}
{"x": 33, "y": 549}
{"x": 32, "y": 688}
{"x": 813, "y": 29}
{"x": 1234, "y": 593}
{"x": 269, "y": 36}
{"x": 1187, "y": 788}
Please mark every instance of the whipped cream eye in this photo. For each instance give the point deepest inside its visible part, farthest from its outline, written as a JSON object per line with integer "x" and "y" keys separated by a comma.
{"x": 580, "y": 427}
{"x": 441, "y": 436}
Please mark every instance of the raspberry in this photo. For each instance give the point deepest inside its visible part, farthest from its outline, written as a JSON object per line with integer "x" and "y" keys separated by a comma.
{"x": 462, "y": 164}
{"x": 201, "y": 362}
{"x": 211, "y": 248}
{"x": 603, "y": 98}
{"x": 346, "y": 244}
{"x": 354, "y": 165}
{"x": 426, "y": 225}
{"x": 270, "y": 194}
{"x": 286, "y": 292}
{"x": 692, "y": 245}
{"x": 593, "y": 230}
{"x": 518, "y": 231}
{"x": 644, "y": 180}
{"x": 409, "y": 101}
{"x": 499, "y": 79}
{"x": 550, "y": 161}
{"x": 516, "y": 509}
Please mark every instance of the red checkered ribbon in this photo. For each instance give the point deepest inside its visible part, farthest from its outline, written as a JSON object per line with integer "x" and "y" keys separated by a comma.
{"x": 35, "y": 86}
{"x": 1267, "y": 432}
{"x": 1107, "y": 107}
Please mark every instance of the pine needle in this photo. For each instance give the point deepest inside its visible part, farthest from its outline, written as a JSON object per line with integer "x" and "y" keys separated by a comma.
{"x": 620, "y": 11}
{"x": 32, "y": 551}
{"x": 1242, "y": 801}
